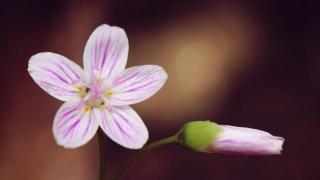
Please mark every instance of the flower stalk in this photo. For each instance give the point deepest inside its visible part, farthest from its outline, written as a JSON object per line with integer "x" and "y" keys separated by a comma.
{"x": 139, "y": 154}
{"x": 101, "y": 152}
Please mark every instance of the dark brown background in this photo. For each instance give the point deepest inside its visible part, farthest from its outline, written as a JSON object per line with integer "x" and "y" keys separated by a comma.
{"x": 244, "y": 63}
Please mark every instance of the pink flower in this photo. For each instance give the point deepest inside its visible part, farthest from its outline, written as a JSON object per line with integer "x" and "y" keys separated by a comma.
{"x": 241, "y": 140}
{"x": 100, "y": 94}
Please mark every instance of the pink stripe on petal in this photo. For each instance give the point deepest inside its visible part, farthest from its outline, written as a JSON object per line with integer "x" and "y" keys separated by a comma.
{"x": 64, "y": 120}
{"x": 124, "y": 134}
{"x": 115, "y": 55}
{"x": 53, "y": 87}
{"x": 106, "y": 52}
{"x": 143, "y": 87}
{"x": 88, "y": 125}
{"x": 136, "y": 84}
{"x": 68, "y": 130}
{"x": 56, "y": 75}
{"x": 123, "y": 125}
{"x": 128, "y": 100}
{"x": 123, "y": 79}
{"x": 72, "y": 126}
{"x": 65, "y": 73}
{"x": 70, "y": 110}
{"x": 132, "y": 125}
{"x": 75, "y": 72}
{"x": 139, "y": 79}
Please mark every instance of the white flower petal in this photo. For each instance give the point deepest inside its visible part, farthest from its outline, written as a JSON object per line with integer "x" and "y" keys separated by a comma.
{"x": 123, "y": 125}
{"x": 106, "y": 52}
{"x": 241, "y": 140}
{"x": 74, "y": 125}
{"x": 56, "y": 74}
{"x": 136, "y": 84}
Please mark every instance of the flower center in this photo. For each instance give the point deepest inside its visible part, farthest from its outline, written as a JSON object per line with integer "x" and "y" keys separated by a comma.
{"x": 95, "y": 102}
{"x": 94, "y": 97}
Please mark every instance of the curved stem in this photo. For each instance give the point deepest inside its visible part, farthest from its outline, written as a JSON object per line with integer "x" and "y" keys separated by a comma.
{"x": 101, "y": 151}
{"x": 139, "y": 154}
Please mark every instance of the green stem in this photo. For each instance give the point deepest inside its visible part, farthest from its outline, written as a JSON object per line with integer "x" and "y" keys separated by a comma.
{"x": 139, "y": 154}
{"x": 101, "y": 151}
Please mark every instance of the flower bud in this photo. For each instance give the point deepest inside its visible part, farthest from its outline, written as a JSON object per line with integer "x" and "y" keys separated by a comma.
{"x": 206, "y": 136}
{"x": 198, "y": 135}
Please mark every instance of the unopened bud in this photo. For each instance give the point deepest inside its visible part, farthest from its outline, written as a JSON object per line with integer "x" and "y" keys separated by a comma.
{"x": 206, "y": 136}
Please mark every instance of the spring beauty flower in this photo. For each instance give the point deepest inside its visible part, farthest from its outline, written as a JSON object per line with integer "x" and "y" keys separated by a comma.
{"x": 206, "y": 136}
{"x": 100, "y": 94}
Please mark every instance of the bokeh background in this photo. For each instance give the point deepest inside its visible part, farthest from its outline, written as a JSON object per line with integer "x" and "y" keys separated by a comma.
{"x": 239, "y": 62}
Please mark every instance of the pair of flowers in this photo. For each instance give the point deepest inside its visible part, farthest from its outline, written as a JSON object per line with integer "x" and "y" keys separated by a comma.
{"x": 100, "y": 95}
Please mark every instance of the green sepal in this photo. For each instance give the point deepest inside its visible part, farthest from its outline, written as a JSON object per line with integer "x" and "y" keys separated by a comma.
{"x": 198, "y": 135}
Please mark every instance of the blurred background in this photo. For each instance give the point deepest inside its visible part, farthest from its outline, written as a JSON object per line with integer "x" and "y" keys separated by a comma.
{"x": 238, "y": 62}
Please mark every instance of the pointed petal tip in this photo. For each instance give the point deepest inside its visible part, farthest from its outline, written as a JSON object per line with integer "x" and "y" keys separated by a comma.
{"x": 278, "y": 145}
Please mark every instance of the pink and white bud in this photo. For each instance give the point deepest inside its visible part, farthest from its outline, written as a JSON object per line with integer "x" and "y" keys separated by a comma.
{"x": 241, "y": 140}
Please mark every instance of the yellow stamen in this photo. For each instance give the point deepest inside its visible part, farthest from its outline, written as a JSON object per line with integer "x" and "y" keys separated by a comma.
{"x": 81, "y": 90}
{"x": 86, "y": 109}
{"x": 109, "y": 93}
